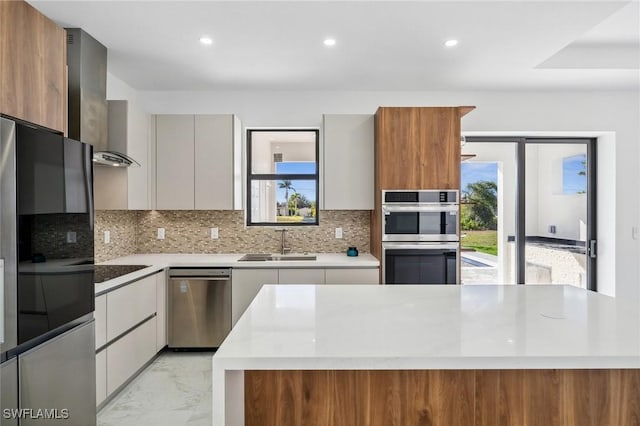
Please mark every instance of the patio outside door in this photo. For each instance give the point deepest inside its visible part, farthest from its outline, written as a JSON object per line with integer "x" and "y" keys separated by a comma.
{"x": 544, "y": 213}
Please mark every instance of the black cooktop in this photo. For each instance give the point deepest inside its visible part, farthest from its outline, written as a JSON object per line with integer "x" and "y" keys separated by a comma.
{"x": 104, "y": 273}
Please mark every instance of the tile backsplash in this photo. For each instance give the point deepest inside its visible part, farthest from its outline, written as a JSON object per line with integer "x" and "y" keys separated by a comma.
{"x": 122, "y": 226}
{"x": 189, "y": 231}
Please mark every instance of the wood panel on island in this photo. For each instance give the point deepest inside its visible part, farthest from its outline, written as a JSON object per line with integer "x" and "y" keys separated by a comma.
{"x": 33, "y": 68}
{"x": 442, "y": 397}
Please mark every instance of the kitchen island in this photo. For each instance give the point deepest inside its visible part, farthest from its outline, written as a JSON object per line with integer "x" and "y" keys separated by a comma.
{"x": 437, "y": 355}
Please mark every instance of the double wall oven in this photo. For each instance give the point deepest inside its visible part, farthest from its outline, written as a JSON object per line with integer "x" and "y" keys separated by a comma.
{"x": 420, "y": 236}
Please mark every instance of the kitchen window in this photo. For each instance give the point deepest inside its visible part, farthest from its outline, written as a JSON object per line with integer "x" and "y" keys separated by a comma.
{"x": 282, "y": 177}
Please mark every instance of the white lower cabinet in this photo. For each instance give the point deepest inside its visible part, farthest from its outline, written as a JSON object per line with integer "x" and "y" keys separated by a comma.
{"x": 101, "y": 376}
{"x": 161, "y": 311}
{"x": 129, "y": 305}
{"x": 245, "y": 284}
{"x": 131, "y": 329}
{"x": 126, "y": 355}
{"x": 100, "y": 315}
{"x": 351, "y": 276}
{"x": 301, "y": 276}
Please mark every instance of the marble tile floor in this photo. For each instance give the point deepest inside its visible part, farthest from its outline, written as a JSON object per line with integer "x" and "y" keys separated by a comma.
{"x": 174, "y": 390}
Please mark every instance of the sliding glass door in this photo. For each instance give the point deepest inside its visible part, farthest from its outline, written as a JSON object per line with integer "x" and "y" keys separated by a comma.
{"x": 544, "y": 216}
{"x": 488, "y": 213}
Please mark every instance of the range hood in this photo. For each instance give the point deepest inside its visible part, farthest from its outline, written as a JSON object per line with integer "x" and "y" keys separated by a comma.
{"x": 113, "y": 158}
{"x": 87, "y": 101}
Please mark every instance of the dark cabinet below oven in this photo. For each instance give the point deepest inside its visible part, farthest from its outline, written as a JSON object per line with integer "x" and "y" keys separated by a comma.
{"x": 427, "y": 263}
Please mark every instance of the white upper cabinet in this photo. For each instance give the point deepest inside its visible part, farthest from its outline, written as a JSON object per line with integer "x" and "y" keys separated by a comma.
{"x": 214, "y": 162}
{"x": 175, "y": 150}
{"x": 348, "y": 161}
{"x": 125, "y": 188}
{"x": 198, "y": 162}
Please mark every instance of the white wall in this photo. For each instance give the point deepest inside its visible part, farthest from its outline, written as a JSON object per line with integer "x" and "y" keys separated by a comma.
{"x": 119, "y": 90}
{"x": 549, "y": 205}
{"x": 590, "y": 112}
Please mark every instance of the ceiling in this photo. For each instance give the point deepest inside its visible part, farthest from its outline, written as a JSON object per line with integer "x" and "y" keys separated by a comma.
{"x": 380, "y": 45}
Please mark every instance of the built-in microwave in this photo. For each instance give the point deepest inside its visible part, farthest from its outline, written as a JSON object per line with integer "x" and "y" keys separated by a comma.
{"x": 425, "y": 215}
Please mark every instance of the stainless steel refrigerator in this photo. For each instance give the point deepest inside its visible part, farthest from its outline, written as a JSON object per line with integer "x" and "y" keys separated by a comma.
{"x": 47, "y": 333}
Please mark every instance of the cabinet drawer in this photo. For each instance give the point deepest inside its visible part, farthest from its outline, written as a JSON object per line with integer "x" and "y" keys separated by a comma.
{"x": 129, "y": 305}
{"x": 100, "y": 315}
{"x": 352, "y": 276}
{"x": 101, "y": 376}
{"x": 128, "y": 354}
{"x": 161, "y": 311}
{"x": 301, "y": 276}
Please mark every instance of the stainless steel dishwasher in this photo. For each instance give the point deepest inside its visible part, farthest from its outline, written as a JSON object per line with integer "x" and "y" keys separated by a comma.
{"x": 199, "y": 307}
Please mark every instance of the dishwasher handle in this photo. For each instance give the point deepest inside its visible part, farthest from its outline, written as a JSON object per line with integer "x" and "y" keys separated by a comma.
{"x": 201, "y": 273}
{"x": 194, "y": 277}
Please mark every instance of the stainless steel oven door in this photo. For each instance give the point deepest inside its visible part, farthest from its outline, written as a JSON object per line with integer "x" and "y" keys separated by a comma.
{"x": 420, "y": 263}
{"x": 415, "y": 222}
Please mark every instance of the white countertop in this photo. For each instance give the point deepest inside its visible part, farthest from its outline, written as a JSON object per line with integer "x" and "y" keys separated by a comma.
{"x": 432, "y": 327}
{"x": 158, "y": 262}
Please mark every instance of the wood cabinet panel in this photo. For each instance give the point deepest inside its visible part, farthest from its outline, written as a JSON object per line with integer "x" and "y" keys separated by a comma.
{"x": 443, "y": 397}
{"x": 418, "y": 148}
{"x": 439, "y": 129}
{"x": 33, "y": 79}
{"x": 430, "y": 397}
{"x": 499, "y": 396}
{"x": 397, "y": 149}
{"x": 415, "y": 148}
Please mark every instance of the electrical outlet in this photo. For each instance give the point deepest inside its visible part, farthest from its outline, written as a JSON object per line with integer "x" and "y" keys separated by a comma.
{"x": 339, "y": 233}
{"x": 635, "y": 232}
{"x": 214, "y": 233}
{"x": 161, "y": 233}
{"x": 71, "y": 237}
{"x": 107, "y": 237}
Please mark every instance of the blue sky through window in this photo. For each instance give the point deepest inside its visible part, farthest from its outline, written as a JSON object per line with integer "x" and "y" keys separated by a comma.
{"x": 573, "y": 182}
{"x": 475, "y": 172}
{"x": 304, "y": 187}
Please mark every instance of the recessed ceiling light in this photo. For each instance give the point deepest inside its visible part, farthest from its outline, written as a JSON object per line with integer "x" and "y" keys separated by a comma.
{"x": 206, "y": 40}
{"x": 329, "y": 41}
{"x": 451, "y": 43}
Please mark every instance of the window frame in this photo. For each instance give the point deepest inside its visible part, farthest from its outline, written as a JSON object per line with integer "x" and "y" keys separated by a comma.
{"x": 250, "y": 176}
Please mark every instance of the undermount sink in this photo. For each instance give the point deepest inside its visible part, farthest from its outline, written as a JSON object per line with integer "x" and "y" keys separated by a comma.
{"x": 293, "y": 257}
{"x": 261, "y": 257}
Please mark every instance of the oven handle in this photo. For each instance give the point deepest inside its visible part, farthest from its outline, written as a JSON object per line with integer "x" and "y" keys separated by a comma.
{"x": 436, "y": 208}
{"x": 422, "y": 246}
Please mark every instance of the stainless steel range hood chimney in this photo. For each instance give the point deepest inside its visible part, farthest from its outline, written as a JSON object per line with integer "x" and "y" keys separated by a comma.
{"x": 87, "y": 88}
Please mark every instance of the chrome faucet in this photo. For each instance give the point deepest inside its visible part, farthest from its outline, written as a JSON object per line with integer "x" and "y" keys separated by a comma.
{"x": 283, "y": 248}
